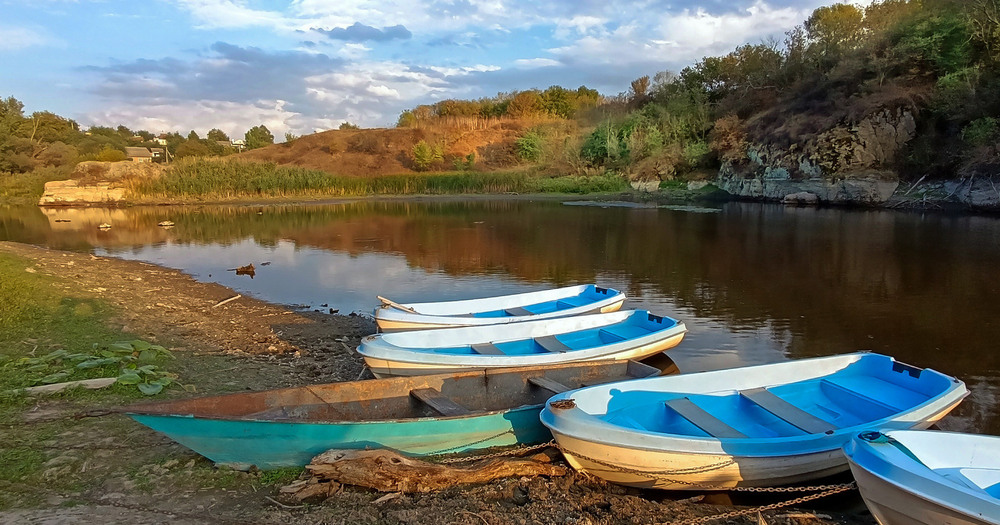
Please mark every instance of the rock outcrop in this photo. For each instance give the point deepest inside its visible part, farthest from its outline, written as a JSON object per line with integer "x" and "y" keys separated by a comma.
{"x": 845, "y": 164}
{"x": 95, "y": 183}
{"x": 73, "y": 193}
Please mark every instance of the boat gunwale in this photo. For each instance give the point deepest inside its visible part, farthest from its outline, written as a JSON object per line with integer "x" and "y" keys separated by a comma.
{"x": 603, "y": 432}
{"x": 630, "y": 370}
{"x": 491, "y": 302}
{"x": 388, "y": 351}
{"x": 868, "y": 454}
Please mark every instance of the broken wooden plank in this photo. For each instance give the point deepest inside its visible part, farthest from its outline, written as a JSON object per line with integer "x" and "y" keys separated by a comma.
{"x": 443, "y": 405}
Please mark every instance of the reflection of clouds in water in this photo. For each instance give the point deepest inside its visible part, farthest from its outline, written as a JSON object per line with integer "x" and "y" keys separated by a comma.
{"x": 978, "y": 410}
{"x": 306, "y": 276}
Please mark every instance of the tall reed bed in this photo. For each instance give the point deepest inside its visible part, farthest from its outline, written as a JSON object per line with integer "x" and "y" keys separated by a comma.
{"x": 233, "y": 179}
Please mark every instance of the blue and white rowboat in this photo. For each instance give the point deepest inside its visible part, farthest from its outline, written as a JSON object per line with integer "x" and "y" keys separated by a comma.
{"x": 631, "y": 334}
{"x": 516, "y": 308}
{"x": 932, "y": 478}
{"x": 416, "y": 416}
{"x": 753, "y": 426}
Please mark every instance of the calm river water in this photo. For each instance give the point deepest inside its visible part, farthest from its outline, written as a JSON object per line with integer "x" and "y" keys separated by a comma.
{"x": 755, "y": 283}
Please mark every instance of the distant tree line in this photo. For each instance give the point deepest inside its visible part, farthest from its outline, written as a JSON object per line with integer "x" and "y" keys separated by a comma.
{"x": 44, "y": 139}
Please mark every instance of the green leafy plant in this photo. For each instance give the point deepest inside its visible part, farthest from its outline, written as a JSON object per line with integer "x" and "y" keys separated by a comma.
{"x": 529, "y": 146}
{"x": 133, "y": 361}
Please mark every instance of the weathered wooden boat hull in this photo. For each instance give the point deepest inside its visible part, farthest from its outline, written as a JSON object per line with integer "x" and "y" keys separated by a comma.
{"x": 463, "y": 412}
{"x": 902, "y": 484}
{"x": 532, "y": 306}
{"x": 273, "y": 444}
{"x": 752, "y": 426}
{"x": 619, "y": 335}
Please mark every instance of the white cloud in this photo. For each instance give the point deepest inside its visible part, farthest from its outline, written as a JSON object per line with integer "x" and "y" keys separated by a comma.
{"x": 681, "y": 38}
{"x": 201, "y": 115}
{"x": 13, "y": 38}
{"x": 531, "y": 63}
{"x": 231, "y": 14}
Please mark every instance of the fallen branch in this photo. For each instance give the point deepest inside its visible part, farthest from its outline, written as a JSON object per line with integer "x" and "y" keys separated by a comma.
{"x": 220, "y": 303}
{"x": 282, "y": 505}
{"x": 91, "y": 384}
{"x": 389, "y": 471}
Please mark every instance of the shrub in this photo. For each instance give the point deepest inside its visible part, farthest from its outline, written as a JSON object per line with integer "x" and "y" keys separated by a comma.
{"x": 423, "y": 156}
{"x": 981, "y": 132}
{"x": 529, "y": 146}
{"x": 110, "y": 154}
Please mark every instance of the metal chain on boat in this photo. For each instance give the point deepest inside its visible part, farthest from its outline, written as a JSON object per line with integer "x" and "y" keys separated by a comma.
{"x": 503, "y": 453}
{"x": 662, "y": 475}
{"x": 744, "y": 512}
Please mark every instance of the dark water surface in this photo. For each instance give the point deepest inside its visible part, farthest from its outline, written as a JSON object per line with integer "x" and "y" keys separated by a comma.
{"x": 755, "y": 283}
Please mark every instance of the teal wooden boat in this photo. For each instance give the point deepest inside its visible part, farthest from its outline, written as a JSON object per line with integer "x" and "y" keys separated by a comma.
{"x": 417, "y": 416}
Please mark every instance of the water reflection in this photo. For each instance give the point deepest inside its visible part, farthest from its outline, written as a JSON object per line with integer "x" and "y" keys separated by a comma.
{"x": 754, "y": 283}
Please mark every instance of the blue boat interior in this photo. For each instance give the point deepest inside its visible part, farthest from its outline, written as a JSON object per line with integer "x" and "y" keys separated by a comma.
{"x": 866, "y": 391}
{"x": 635, "y": 326}
{"x": 590, "y": 295}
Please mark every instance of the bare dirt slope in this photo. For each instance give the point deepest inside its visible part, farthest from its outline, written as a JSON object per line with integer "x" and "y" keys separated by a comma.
{"x": 101, "y": 467}
{"x": 373, "y": 152}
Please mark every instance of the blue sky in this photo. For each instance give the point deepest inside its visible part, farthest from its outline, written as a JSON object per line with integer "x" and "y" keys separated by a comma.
{"x": 307, "y": 65}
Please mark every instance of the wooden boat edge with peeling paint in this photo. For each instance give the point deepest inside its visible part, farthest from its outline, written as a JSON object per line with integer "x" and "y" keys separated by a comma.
{"x": 267, "y": 429}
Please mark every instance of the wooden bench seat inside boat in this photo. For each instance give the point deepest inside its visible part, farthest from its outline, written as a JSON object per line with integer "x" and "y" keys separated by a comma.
{"x": 702, "y": 419}
{"x": 551, "y": 344}
{"x": 440, "y": 403}
{"x": 487, "y": 349}
{"x": 788, "y": 412}
{"x": 549, "y": 384}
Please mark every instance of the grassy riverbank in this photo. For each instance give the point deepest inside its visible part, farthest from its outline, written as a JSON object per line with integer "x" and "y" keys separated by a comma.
{"x": 227, "y": 180}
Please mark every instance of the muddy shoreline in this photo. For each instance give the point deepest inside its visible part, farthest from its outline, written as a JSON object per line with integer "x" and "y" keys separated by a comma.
{"x": 125, "y": 473}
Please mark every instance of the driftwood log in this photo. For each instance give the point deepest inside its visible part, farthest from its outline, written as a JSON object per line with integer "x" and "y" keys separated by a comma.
{"x": 388, "y": 471}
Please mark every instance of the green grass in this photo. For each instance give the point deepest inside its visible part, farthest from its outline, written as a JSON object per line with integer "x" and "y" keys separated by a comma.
{"x": 36, "y": 318}
{"x": 221, "y": 180}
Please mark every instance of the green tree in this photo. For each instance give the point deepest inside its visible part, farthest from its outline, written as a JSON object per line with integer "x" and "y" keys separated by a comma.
{"x": 216, "y": 135}
{"x": 345, "y": 125}
{"x": 258, "y": 137}
{"x": 193, "y": 135}
{"x": 192, "y": 148}
{"x": 111, "y": 154}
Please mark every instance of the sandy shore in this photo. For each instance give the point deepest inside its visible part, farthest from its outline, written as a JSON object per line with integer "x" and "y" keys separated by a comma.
{"x": 122, "y": 472}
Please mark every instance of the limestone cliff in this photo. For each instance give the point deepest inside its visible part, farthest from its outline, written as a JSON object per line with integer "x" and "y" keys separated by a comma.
{"x": 95, "y": 183}
{"x": 846, "y": 164}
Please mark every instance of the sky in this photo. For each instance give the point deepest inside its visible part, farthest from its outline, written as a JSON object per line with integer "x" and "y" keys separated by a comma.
{"x": 302, "y": 66}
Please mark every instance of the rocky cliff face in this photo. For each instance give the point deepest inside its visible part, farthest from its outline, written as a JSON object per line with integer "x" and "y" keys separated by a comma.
{"x": 845, "y": 164}
{"x": 96, "y": 184}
